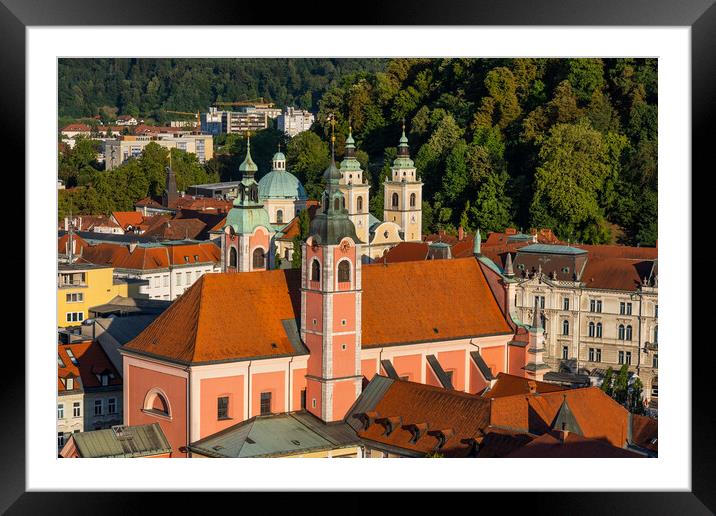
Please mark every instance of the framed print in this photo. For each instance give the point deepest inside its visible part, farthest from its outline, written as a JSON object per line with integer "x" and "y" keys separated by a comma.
{"x": 531, "y": 105}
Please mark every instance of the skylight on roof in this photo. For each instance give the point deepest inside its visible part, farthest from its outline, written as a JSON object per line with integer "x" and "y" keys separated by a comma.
{"x": 72, "y": 356}
{"x": 59, "y": 361}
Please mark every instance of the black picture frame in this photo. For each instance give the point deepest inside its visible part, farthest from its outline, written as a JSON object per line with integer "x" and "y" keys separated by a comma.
{"x": 700, "y": 15}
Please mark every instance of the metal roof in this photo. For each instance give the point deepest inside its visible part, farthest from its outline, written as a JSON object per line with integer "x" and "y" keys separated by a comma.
{"x": 277, "y": 435}
{"x": 389, "y": 369}
{"x": 550, "y": 249}
{"x": 122, "y": 441}
{"x": 369, "y": 398}
{"x": 481, "y": 365}
{"x": 439, "y": 372}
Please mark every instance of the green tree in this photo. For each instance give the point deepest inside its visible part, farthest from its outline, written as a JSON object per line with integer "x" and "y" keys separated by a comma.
{"x": 621, "y": 385}
{"x": 307, "y": 157}
{"x": 607, "y": 382}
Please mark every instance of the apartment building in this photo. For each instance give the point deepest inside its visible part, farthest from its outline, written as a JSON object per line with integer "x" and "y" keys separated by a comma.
{"x": 293, "y": 121}
{"x": 215, "y": 122}
{"x": 83, "y": 285}
{"x": 118, "y": 151}
{"x": 89, "y": 390}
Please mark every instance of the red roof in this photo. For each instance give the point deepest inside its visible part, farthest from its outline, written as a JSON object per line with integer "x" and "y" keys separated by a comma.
{"x": 406, "y": 252}
{"x": 128, "y": 218}
{"x": 76, "y": 128}
{"x": 615, "y": 273}
{"x": 153, "y": 257}
{"x": 509, "y": 385}
{"x": 79, "y": 246}
{"x": 188, "y": 330}
{"x": 176, "y": 229}
{"x": 558, "y": 444}
{"x": 645, "y": 432}
{"x": 91, "y": 360}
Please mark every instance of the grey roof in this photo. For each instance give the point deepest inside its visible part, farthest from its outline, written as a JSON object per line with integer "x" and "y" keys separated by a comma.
{"x": 276, "y": 435}
{"x": 556, "y": 377}
{"x": 550, "y": 249}
{"x": 122, "y": 441}
{"x": 565, "y": 420}
{"x": 481, "y": 365}
{"x": 290, "y": 326}
{"x": 388, "y": 366}
{"x": 115, "y": 332}
{"x": 369, "y": 398}
{"x": 130, "y": 305}
{"x": 439, "y": 372}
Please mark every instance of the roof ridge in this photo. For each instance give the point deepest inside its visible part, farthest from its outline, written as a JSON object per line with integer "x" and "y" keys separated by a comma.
{"x": 199, "y": 284}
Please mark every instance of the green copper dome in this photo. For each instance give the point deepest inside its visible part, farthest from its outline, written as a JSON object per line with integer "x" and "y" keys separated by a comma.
{"x": 279, "y": 156}
{"x": 245, "y": 219}
{"x": 403, "y": 160}
{"x": 281, "y": 184}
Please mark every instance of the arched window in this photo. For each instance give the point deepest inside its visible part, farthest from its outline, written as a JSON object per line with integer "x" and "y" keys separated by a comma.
{"x": 412, "y": 200}
{"x": 359, "y": 204}
{"x": 233, "y": 257}
{"x": 591, "y": 329}
{"x": 656, "y": 334}
{"x": 315, "y": 271}
{"x": 621, "y": 332}
{"x": 279, "y": 217}
{"x": 599, "y": 330}
{"x": 343, "y": 203}
{"x": 565, "y": 327}
{"x": 395, "y": 200}
{"x": 258, "y": 258}
{"x": 156, "y": 402}
{"x": 336, "y": 204}
{"x": 344, "y": 271}
{"x": 628, "y": 332}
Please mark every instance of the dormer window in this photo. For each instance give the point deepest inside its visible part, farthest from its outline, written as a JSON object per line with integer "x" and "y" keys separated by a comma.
{"x": 69, "y": 383}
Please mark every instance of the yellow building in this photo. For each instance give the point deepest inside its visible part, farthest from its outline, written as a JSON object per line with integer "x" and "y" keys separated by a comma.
{"x": 81, "y": 286}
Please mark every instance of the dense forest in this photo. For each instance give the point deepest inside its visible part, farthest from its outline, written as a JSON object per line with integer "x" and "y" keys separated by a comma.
{"x": 569, "y": 144}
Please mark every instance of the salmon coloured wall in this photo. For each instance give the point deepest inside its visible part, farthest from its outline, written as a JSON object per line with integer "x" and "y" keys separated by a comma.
{"x": 454, "y": 361}
{"x": 516, "y": 356}
{"x": 211, "y": 390}
{"x": 408, "y": 365}
{"x": 477, "y": 381}
{"x": 268, "y": 382}
{"x": 138, "y": 382}
{"x": 494, "y": 357}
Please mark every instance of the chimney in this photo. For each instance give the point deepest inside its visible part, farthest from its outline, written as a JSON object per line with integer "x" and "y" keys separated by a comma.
{"x": 460, "y": 233}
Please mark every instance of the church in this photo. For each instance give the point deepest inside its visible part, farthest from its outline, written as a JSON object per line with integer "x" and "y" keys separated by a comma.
{"x": 263, "y": 211}
{"x": 235, "y": 346}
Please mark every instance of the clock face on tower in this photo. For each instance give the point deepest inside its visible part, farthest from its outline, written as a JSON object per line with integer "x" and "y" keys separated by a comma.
{"x": 345, "y": 246}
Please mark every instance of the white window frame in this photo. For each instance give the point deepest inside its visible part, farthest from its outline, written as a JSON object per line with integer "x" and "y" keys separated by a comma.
{"x": 76, "y": 409}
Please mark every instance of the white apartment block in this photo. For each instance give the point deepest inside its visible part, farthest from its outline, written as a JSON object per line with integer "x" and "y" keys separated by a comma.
{"x": 168, "y": 283}
{"x": 293, "y": 121}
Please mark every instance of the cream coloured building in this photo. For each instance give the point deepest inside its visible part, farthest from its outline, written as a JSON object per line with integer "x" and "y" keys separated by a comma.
{"x": 118, "y": 151}
{"x": 599, "y": 305}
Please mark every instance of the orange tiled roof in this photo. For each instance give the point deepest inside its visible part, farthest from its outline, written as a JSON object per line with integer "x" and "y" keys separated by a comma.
{"x": 176, "y": 229}
{"x": 148, "y": 202}
{"x": 464, "y": 415}
{"x": 80, "y": 244}
{"x": 598, "y": 415}
{"x": 128, "y": 218}
{"x": 155, "y": 257}
{"x": 615, "y": 273}
{"x": 406, "y": 252}
{"x": 440, "y": 300}
{"x": 189, "y": 331}
{"x": 205, "y": 325}
{"x": 509, "y": 385}
{"x": 645, "y": 432}
{"x": 91, "y": 361}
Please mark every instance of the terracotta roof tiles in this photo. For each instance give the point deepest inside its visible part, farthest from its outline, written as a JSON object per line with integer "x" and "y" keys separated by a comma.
{"x": 91, "y": 361}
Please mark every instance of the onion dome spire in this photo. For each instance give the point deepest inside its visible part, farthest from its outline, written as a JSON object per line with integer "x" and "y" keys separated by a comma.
{"x": 403, "y": 149}
{"x": 248, "y": 168}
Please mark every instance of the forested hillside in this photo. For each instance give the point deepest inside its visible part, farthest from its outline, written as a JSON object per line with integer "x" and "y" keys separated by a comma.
{"x": 569, "y": 144}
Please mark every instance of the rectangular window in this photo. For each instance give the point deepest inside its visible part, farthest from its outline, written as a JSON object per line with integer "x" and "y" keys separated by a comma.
{"x": 265, "y": 403}
{"x": 60, "y": 411}
{"x": 539, "y": 300}
{"x": 179, "y": 279}
{"x": 76, "y": 410}
{"x": 166, "y": 280}
{"x": 77, "y": 297}
{"x": 628, "y": 357}
{"x": 222, "y": 410}
{"x": 656, "y": 310}
{"x": 188, "y": 278}
{"x": 592, "y": 305}
{"x": 565, "y": 352}
{"x": 97, "y": 407}
{"x": 112, "y": 406}
{"x": 655, "y": 361}
{"x": 628, "y": 308}
{"x": 303, "y": 399}
{"x": 621, "y": 357}
{"x": 69, "y": 383}
{"x": 60, "y": 439}
{"x": 565, "y": 303}
{"x": 622, "y": 308}
{"x": 591, "y": 354}
{"x": 598, "y": 358}
{"x": 599, "y": 306}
